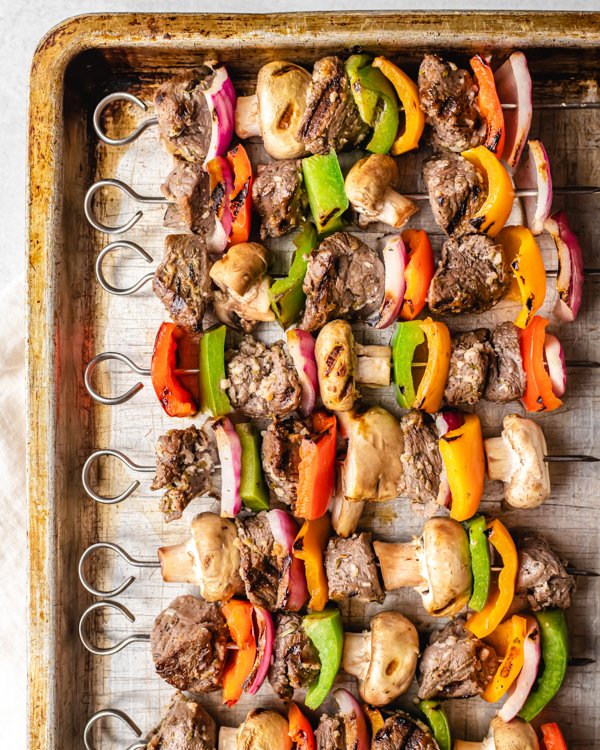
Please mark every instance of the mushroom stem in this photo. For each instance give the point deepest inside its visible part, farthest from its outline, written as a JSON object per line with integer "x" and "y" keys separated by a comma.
{"x": 396, "y": 210}
{"x": 499, "y": 459}
{"x": 345, "y": 514}
{"x": 178, "y": 562}
{"x": 227, "y": 738}
{"x": 373, "y": 364}
{"x": 247, "y": 116}
{"x": 356, "y": 654}
{"x": 399, "y": 563}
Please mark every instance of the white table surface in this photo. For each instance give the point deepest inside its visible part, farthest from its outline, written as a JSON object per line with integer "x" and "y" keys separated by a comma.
{"x": 22, "y": 26}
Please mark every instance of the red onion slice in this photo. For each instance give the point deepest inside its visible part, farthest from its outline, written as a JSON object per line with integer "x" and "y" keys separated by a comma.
{"x": 221, "y": 99}
{"x": 350, "y": 708}
{"x": 285, "y": 530}
{"x": 513, "y": 85}
{"x": 519, "y": 690}
{"x": 264, "y": 632}
{"x": 230, "y": 456}
{"x": 569, "y": 282}
{"x": 555, "y": 364}
{"x": 534, "y": 173}
{"x": 301, "y": 346}
{"x": 394, "y": 259}
{"x": 448, "y": 420}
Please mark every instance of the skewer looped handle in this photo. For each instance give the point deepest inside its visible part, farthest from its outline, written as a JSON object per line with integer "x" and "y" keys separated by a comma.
{"x": 123, "y": 554}
{"x": 112, "y": 713}
{"x": 100, "y": 271}
{"x": 129, "y": 191}
{"x": 131, "y": 465}
{"x": 109, "y": 650}
{"x": 113, "y": 400}
{"x": 115, "y": 97}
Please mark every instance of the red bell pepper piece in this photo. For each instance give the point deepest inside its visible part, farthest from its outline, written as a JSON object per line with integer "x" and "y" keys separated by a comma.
{"x": 175, "y": 400}
{"x": 489, "y": 106}
{"x": 418, "y": 272}
{"x": 539, "y": 395}
{"x": 300, "y": 730}
{"x": 240, "y": 200}
{"x": 240, "y": 661}
{"x": 553, "y": 737}
{"x": 316, "y": 472}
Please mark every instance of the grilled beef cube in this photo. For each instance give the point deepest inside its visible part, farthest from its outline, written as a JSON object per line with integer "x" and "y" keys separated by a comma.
{"x": 422, "y": 464}
{"x": 263, "y": 382}
{"x": 182, "y": 281}
{"x": 506, "y": 378}
{"x": 187, "y": 186}
{"x": 184, "y": 120}
{"x": 279, "y": 197}
{"x": 185, "y": 726}
{"x": 258, "y": 568}
{"x": 351, "y": 569}
{"x": 331, "y": 733}
{"x": 189, "y": 644}
{"x": 542, "y": 577}
{"x": 455, "y": 664}
{"x": 455, "y": 190}
{"x": 402, "y": 732}
{"x": 448, "y": 97}
{"x": 331, "y": 119}
{"x": 280, "y": 455}
{"x": 471, "y": 276}
{"x": 185, "y": 461}
{"x": 344, "y": 279}
{"x": 295, "y": 661}
{"x": 469, "y": 362}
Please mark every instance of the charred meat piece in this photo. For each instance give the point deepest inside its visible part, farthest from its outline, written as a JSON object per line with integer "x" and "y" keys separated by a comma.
{"x": 469, "y": 364}
{"x": 280, "y": 454}
{"x": 185, "y": 461}
{"x": 331, "y": 119}
{"x": 185, "y": 726}
{"x": 184, "y": 120}
{"x": 263, "y": 382}
{"x": 189, "y": 644}
{"x": 506, "y": 378}
{"x": 351, "y": 569}
{"x": 542, "y": 577}
{"x": 331, "y": 734}
{"x": 279, "y": 197}
{"x": 182, "y": 280}
{"x": 448, "y": 97}
{"x": 259, "y": 569}
{"x": 471, "y": 276}
{"x": 422, "y": 464}
{"x": 402, "y": 732}
{"x": 295, "y": 660}
{"x": 455, "y": 190}
{"x": 344, "y": 278}
{"x": 188, "y": 188}
{"x": 455, "y": 664}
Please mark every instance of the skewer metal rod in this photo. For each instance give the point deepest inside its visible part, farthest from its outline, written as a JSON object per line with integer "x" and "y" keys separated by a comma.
{"x": 558, "y": 105}
{"x": 575, "y": 458}
{"x": 116, "y": 714}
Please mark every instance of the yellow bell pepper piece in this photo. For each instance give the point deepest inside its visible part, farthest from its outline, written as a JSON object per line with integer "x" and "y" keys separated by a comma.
{"x": 496, "y": 208}
{"x": 408, "y": 93}
{"x": 433, "y": 383}
{"x": 464, "y": 462}
{"x": 511, "y": 646}
{"x": 525, "y": 259}
{"x": 309, "y": 546}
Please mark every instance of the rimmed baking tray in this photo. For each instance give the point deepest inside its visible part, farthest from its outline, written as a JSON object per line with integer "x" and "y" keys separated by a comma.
{"x": 71, "y": 319}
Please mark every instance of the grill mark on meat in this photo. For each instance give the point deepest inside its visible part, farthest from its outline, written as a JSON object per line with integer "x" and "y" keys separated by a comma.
{"x": 279, "y": 196}
{"x": 506, "y": 378}
{"x": 280, "y": 454}
{"x": 351, "y": 569}
{"x": 402, "y": 732}
{"x": 469, "y": 363}
{"x": 455, "y": 191}
{"x": 421, "y": 462}
{"x": 542, "y": 576}
{"x": 295, "y": 662}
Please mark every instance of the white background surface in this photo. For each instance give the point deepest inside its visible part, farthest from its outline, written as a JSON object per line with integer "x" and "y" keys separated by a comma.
{"x": 21, "y": 26}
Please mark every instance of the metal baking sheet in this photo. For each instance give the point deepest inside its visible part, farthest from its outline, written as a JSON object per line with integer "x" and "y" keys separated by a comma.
{"x": 71, "y": 319}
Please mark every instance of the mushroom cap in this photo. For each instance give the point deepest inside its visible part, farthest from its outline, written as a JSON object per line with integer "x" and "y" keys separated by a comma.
{"x": 529, "y": 483}
{"x": 336, "y": 365}
{"x": 281, "y": 90}
{"x": 513, "y": 735}
{"x": 446, "y": 565}
{"x": 367, "y": 182}
{"x": 263, "y": 729}
{"x": 241, "y": 267}
{"x": 218, "y": 559}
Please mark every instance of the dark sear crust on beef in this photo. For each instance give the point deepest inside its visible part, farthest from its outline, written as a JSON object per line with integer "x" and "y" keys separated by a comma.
{"x": 187, "y": 186}
{"x": 185, "y": 461}
{"x": 542, "y": 577}
{"x": 258, "y": 568}
{"x": 455, "y": 190}
{"x": 351, "y": 569}
{"x": 188, "y": 643}
{"x": 422, "y": 463}
{"x": 455, "y": 664}
{"x": 182, "y": 282}
{"x": 280, "y": 455}
{"x": 184, "y": 120}
{"x": 279, "y": 197}
{"x": 402, "y": 732}
{"x": 295, "y": 661}
{"x": 331, "y": 119}
{"x": 185, "y": 726}
{"x": 448, "y": 97}
{"x": 330, "y": 734}
{"x": 472, "y": 276}
{"x": 263, "y": 382}
{"x": 344, "y": 279}
{"x": 469, "y": 364}
{"x": 506, "y": 377}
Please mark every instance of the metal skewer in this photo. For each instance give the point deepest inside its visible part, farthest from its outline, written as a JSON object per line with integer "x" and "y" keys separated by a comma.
{"x": 112, "y": 713}
{"x": 124, "y": 555}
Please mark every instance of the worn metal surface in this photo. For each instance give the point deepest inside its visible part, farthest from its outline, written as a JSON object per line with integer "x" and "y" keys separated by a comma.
{"x": 71, "y": 318}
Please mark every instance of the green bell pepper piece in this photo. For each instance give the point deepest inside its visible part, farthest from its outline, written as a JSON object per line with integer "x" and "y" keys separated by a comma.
{"x": 326, "y": 632}
{"x": 385, "y": 120}
{"x": 555, "y": 655}
{"x": 253, "y": 490}
{"x": 286, "y": 295}
{"x": 365, "y": 100}
{"x": 213, "y": 398}
{"x": 438, "y": 723}
{"x": 407, "y": 337}
{"x": 326, "y": 192}
{"x": 480, "y": 562}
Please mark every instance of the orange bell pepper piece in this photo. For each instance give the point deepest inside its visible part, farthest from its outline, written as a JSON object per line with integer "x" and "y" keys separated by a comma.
{"x": 418, "y": 272}
{"x": 525, "y": 259}
{"x": 509, "y": 641}
{"x": 408, "y": 93}
{"x": 502, "y": 593}
{"x": 316, "y": 472}
{"x": 539, "y": 395}
{"x": 496, "y": 208}
{"x": 238, "y": 615}
{"x": 489, "y": 106}
{"x": 430, "y": 391}
{"x": 309, "y": 546}
{"x": 300, "y": 731}
{"x": 464, "y": 460}
{"x": 240, "y": 200}
{"x": 174, "y": 398}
